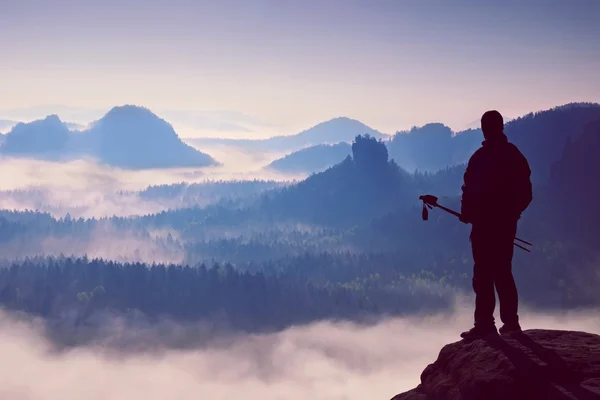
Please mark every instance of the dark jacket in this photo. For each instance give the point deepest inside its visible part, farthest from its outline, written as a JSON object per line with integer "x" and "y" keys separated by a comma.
{"x": 497, "y": 184}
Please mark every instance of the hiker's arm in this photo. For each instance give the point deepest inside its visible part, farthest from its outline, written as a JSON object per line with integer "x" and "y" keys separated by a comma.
{"x": 468, "y": 200}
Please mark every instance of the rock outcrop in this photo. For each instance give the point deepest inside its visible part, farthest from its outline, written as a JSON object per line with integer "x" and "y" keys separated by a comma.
{"x": 538, "y": 364}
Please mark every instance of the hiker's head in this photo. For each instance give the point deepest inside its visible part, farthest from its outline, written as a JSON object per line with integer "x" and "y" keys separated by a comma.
{"x": 492, "y": 124}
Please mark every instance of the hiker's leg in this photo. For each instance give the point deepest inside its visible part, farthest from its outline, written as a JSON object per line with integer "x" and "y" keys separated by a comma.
{"x": 504, "y": 279}
{"x": 483, "y": 279}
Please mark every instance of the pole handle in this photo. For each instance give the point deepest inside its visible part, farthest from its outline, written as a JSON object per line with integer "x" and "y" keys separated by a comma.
{"x": 432, "y": 201}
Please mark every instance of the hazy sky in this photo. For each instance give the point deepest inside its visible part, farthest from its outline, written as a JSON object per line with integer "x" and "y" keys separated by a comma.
{"x": 285, "y": 65}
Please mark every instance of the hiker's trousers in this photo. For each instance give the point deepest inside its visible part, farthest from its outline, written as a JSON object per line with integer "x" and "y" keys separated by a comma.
{"x": 492, "y": 245}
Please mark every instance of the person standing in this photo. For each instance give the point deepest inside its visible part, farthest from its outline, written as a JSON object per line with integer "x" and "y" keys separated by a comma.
{"x": 496, "y": 190}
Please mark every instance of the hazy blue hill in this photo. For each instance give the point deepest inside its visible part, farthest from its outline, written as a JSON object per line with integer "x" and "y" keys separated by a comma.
{"x": 434, "y": 146}
{"x": 75, "y": 126}
{"x": 542, "y": 136}
{"x": 464, "y": 144}
{"x": 128, "y": 136}
{"x": 6, "y": 125}
{"x": 133, "y": 137}
{"x": 427, "y": 148}
{"x": 47, "y": 139}
{"x": 364, "y": 185}
{"x": 312, "y": 159}
{"x": 341, "y": 129}
{"x": 336, "y": 130}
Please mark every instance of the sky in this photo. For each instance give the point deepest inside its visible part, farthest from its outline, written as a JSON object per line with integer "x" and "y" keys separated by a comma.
{"x": 254, "y": 68}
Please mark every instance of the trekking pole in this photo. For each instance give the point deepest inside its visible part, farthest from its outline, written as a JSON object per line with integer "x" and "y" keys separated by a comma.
{"x": 430, "y": 201}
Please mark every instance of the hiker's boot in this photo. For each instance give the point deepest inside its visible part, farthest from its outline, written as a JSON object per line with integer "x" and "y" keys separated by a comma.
{"x": 479, "y": 333}
{"x": 508, "y": 329}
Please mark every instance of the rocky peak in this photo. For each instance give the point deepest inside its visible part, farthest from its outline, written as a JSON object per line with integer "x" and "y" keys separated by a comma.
{"x": 538, "y": 364}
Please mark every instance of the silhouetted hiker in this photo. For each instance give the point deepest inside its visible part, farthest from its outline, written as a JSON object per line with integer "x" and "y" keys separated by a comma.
{"x": 496, "y": 190}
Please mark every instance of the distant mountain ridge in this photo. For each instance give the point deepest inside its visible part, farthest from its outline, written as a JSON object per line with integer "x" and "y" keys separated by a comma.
{"x": 6, "y": 124}
{"x": 47, "y": 138}
{"x": 366, "y": 184}
{"x": 433, "y": 147}
{"x": 550, "y": 130}
{"x": 127, "y": 136}
{"x": 336, "y": 130}
{"x": 312, "y": 159}
{"x": 133, "y": 137}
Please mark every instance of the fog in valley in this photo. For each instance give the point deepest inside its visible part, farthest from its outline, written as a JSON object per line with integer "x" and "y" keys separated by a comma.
{"x": 323, "y": 360}
{"x": 84, "y": 188}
